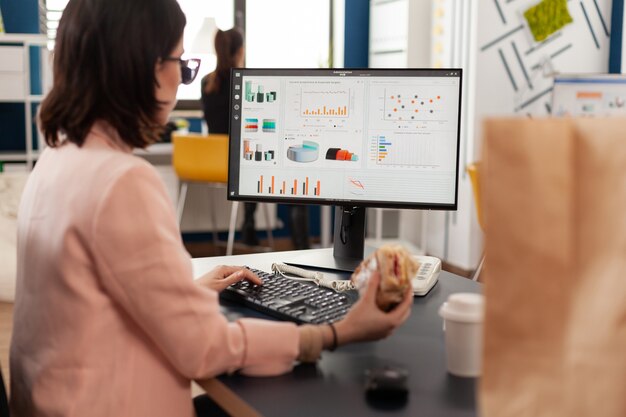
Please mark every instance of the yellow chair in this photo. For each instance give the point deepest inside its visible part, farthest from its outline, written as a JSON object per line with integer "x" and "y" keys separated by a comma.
{"x": 204, "y": 159}
{"x": 473, "y": 170}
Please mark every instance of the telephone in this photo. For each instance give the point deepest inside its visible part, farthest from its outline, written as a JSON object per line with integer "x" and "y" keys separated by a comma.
{"x": 427, "y": 276}
{"x": 422, "y": 283}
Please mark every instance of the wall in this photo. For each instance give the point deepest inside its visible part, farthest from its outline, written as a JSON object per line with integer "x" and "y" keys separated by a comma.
{"x": 399, "y": 37}
{"x": 507, "y": 73}
{"x": 356, "y": 35}
{"x": 20, "y": 16}
{"x": 617, "y": 55}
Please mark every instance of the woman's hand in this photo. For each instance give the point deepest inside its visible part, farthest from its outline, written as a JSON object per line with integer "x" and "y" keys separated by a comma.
{"x": 222, "y": 276}
{"x": 366, "y": 321}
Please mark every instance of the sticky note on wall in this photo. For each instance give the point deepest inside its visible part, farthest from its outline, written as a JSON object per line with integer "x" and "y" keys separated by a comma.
{"x": 547, "y": 17}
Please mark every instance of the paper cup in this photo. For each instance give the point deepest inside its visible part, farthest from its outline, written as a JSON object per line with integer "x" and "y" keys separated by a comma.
{"x": 463, "y": 324}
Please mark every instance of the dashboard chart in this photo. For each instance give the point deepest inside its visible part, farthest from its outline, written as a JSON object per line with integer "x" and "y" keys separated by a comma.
{"x": 415, "y": 106}
{"x": 411, "y": 106}
{"x": 409, "y": 150}
{"x": 304, "y": 186}
{"x": 324, "y": 103}
{"x": 348, "y": 135}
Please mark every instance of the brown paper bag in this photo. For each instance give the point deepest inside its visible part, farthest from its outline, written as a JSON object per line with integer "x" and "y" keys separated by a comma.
{"x": 555, "y": 276}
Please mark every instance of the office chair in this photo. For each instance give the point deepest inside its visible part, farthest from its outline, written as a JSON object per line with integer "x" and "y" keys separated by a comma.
{"x": 473, "y": 170}
{"x": 204, "y": 159}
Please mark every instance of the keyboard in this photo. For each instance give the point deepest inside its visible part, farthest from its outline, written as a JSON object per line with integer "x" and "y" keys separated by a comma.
{"x": 291, "y": 300}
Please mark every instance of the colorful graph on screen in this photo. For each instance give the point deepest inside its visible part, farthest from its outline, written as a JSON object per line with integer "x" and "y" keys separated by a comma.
{"x": 305, "y": 186}
{"x": 405, "y": 150}
{"x": 324, "y": 102}
{"x": 356, "y": 186}
{"x": 411, "y": 106}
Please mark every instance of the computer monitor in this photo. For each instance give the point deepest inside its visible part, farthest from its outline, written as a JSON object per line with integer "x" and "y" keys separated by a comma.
{"x": 349, "y": 138}
{"x": 589, "y": 95}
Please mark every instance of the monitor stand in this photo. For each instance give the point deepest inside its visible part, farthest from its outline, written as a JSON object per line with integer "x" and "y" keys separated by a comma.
{"x": 349, "y": 243}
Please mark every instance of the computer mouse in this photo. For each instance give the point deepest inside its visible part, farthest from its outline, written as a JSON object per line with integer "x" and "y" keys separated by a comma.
{"x": 387, "y": 384}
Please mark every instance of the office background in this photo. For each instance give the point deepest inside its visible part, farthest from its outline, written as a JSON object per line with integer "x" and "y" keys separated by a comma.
{"x": 506, "y": 72}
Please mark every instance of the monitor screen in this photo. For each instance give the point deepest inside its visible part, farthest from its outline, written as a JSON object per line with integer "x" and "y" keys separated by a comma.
{"x": 590, "y": 95}
{"x": 372, "y": 137}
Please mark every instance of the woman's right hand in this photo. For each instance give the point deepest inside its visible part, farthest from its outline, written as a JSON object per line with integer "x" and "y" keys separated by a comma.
{"x": 366, "y": 321}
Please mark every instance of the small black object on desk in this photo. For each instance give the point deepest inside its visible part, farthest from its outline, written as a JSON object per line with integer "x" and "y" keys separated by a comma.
{"x": 386, "y": 387}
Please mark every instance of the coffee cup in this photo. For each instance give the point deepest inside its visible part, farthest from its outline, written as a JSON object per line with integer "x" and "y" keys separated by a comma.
{"x": 463, "y": 325}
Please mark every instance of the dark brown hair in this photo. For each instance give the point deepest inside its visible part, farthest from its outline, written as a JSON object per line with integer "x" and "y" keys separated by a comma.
{"x": 104, "y": 68}
{"x": 227, "y": 44}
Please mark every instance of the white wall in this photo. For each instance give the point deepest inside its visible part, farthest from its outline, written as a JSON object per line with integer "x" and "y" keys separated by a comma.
{"x": 484, "y": 38}
{"x": 400, "y": 38}
{"x": 456, "y": 236}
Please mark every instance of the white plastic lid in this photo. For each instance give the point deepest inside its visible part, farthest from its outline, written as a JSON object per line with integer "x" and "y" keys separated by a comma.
{"x": 464, "y": 307}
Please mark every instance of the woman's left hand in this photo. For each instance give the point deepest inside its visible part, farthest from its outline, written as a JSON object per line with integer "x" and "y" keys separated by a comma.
{"x": 222, "y": 276}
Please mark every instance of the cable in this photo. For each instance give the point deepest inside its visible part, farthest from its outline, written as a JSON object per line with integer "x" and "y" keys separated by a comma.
{"x": 339, "y": 285}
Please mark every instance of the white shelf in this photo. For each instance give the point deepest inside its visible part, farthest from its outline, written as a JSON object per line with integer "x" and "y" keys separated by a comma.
{"x": 10, "y": 157}
{"x": 30, "y": 99}
{"x": 16, "y": 87}
{"x": 24, "y": 38}
{"x": 17, "y": 156}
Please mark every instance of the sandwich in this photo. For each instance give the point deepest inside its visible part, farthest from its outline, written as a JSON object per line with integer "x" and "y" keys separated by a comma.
{"x": 396, "y": 267}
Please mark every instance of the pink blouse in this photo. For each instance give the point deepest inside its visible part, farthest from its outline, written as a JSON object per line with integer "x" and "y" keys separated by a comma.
{"x": 107, "y": 320}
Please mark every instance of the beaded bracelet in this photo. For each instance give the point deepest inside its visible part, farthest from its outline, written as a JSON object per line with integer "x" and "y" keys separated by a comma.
{"x": 311, "y": 344}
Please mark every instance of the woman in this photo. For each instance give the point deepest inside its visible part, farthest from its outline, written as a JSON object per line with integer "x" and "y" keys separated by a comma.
{"x": 215, "y": 86}
{"x": 230, "y": 53}
{"x": 108, "y": 320}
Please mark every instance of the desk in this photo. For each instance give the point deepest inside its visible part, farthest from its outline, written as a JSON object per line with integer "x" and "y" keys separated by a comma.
{"x": 334, "y": 386}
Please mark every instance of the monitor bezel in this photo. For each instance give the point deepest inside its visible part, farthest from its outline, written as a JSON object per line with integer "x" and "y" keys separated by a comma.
{"x": 233, "y": 151}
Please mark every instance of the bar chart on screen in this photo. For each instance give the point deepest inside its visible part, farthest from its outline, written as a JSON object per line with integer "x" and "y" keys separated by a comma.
{"x": 409, "y": 150}
{"x": 324, "y": 102}
{"x": 282, "y": 186}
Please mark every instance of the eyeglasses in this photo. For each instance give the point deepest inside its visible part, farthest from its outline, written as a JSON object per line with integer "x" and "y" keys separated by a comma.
{"x": 188, "y": 68}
